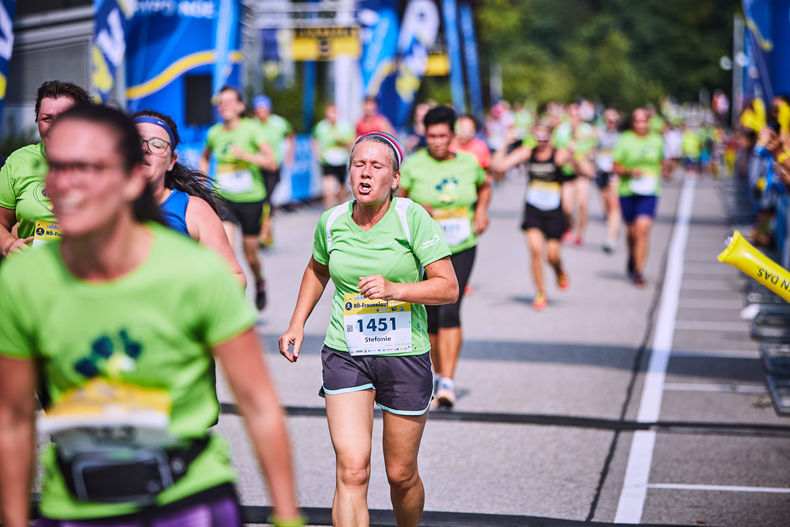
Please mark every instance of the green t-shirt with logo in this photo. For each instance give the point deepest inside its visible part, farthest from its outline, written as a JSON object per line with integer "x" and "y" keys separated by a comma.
{"x": 333, "y": 140}
{"x": 22, "y": 188}
{"x": 276, "y": 128}
{"x": 583, "y": 138}
{"x": 450, "y": 188}
{"x": 691, "y": 144}
{"x": 384, "y": 249}
{"x": 152, "y": 328}
{"x": 643, "y": 153}
{"x": 234, "y": 179}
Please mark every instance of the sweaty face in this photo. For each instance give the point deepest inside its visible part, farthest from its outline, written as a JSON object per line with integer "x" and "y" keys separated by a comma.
{"x": 464, "y": 130}
{"x": 156, "y": 162}
{"x": 439, "y": 136}
{"x": 48, "y": 111}
{"x": 86, "y": 182}
{"x": 371, "y": 173}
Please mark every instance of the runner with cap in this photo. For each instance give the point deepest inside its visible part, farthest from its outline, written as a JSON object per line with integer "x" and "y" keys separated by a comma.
{"x": 374, "y": 248}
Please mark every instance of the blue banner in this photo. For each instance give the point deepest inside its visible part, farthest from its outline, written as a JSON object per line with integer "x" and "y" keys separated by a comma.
{"x": 226, "y": 39}
{"x": 378, "y": 21}
{"x": 170, "y": 65}
{"x": 758, "y": 43}
{"x": 109, "y": 43}
{"x": 450, "y": 17}
{"x": 472, "y": 66}
{"x": 417, "y": 36}
{"x": 6, "y": 44}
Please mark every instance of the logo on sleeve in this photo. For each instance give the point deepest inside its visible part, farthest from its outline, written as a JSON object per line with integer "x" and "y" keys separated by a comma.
{"x": 430, "y": 243}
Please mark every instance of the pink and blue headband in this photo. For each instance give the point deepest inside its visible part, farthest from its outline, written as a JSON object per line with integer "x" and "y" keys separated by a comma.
{"x": 390, "y": 140}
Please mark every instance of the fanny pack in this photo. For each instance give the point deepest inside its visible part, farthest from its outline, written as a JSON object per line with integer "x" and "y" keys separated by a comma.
{"x": 135, "y": 475}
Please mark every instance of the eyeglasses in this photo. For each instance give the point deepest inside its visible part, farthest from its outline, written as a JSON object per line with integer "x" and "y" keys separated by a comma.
{"x": 79, "y": 171}
{"x": 156, "y": 146}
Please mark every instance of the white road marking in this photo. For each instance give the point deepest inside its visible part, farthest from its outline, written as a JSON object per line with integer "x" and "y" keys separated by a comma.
{"x": 632, "y": 497}
{"x": 718, "y": 488}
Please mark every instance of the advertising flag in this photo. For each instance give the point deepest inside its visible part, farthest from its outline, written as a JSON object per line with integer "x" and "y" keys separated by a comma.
{"x": 109, "y": 43}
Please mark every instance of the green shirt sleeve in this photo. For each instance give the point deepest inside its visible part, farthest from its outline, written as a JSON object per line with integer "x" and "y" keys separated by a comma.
{"x": 427, "y": 240}
{"x": 15, "y": 333}
{"x": 320, "y": 249}
{"x": 618, "y": 153}
{"x": 7, "y": 195}
{"x": 227, "y": 312}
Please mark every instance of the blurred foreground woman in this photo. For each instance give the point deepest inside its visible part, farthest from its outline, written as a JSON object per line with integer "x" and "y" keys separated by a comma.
{"x": 121, "y": 322}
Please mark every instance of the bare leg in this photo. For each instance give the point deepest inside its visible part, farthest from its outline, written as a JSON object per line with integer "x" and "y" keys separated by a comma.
{"x": 613, "y": 215}
{"x": 251, "y": 254}
{"x": 450, "y": 340}
{"x": 402, "y": 436}
{"x": 641, "y": 229}
{"x": 535, "y": 241}
{"x": 331, "y": 189}
{"x": 582, "y": 197}
{"x": 350, "y": 418}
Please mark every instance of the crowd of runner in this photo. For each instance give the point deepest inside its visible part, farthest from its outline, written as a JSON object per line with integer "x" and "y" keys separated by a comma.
{"x": 141, "y": 314}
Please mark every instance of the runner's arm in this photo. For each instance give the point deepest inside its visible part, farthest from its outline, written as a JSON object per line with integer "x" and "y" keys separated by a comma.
{"x": 264, "y": 158}
{"x": 314, "y": 281}
{"x": 205, "y": 226}
{"x": 481, "y": 211}
{"x": 241, "y": 359}
{"x": 620, "y": 170}
{"x": 8, "y": 242}
{"x": 441, "y": 286}
{"x": 17, "y": 439}
{"x": 501, "y": 161}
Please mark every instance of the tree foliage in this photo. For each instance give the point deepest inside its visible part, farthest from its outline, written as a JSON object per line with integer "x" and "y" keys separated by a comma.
{"x": 622, "y": 52}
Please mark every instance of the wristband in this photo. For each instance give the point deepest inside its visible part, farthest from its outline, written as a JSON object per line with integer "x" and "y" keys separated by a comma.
{"x": 298, "y": 521}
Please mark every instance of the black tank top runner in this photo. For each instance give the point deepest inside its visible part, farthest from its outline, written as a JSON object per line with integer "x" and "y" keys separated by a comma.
{"x": 547, "y": 171}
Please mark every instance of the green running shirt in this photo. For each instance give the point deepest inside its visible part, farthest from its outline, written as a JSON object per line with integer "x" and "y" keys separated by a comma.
{"x": 384, "y": 249}
{"x": 22, "y": 188}
{"x": 152, "y": 328}
{"x": 644, "y": 153}
{"x": 237, "y": 180}
{"x": 450, "y": 188}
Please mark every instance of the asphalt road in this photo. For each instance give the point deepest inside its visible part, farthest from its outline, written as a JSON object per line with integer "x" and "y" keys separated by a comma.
{"x": 614, "y": 405}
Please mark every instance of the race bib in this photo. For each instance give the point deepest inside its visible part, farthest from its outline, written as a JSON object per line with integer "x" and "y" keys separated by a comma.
{"x": 604, "y": 162}
{"x": 644, "y": 185}
{"x": 106, "y": 415}
{"x": 46, "y": 232}
{"x": 455, "y": 224}
{"x": 336, "y": 156}
{"x": 235, "y": 180}
{"x": 544, "y": 195}
{"x": 376, "y": 327}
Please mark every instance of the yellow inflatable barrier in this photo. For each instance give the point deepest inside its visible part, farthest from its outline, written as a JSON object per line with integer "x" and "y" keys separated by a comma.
{"x": 741, "y": 254}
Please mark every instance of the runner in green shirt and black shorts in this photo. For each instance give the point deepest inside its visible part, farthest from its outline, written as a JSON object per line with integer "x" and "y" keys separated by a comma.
{"x": 454, "y": 189}
{"x": 374, "y": 249}
{"x": 241, "y": 149}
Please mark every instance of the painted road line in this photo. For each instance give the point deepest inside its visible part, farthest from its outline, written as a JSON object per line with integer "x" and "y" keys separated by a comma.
{"x": 707, "y": 325}
{"x": 707, "y": 303}
{"x": 716, "y": 354}
{"x": 718, "y": 488}
{"x": 712, "y": 285}
{"x": 634, "y": 493}
{"x": 718, "y": 388}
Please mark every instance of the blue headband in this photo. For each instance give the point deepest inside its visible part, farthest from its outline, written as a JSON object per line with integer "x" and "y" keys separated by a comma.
{"x": 394, "y": 143}
{"x": 158, "y": 122}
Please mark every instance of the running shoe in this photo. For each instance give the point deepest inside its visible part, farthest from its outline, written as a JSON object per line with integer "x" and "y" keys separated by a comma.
{"x": 445, "y": 395}
{"x": 562, "y": 281}
{"x": 539, "y": 301}
{"x": 607, "y": 247}
{"x": 639, "y": 280}
{"x": 578, "y": 241}
{"x": 260, "y": 295}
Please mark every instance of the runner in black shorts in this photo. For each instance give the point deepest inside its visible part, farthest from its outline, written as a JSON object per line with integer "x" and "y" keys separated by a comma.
{"x": 544, "y": 220}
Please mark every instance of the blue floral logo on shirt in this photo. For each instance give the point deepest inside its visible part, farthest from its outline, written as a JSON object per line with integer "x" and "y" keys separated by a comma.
{"x": 111, "y": 355}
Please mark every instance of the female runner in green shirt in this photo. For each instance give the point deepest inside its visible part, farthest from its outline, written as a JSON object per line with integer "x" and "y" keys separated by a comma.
{"x": 376, "y": 348}
{"x": 121, "y": 320}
